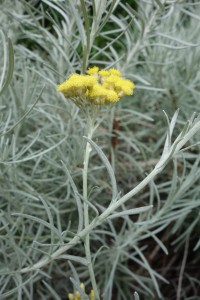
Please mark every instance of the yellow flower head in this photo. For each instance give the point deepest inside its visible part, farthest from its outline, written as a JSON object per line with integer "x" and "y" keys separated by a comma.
{"x": 120, "y": 85}
{"x": 77, "y": 294}
{"x": 100, "y": 95}
{"x": 97, "y": 94}
{"x": 76, "y": 85}
{"x": 96, "y": 88}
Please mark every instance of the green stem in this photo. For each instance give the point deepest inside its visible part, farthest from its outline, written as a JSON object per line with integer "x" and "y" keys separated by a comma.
{"x": 86, "y": 208}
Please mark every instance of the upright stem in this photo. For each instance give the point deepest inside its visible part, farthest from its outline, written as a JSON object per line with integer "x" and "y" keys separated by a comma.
{"x": 86, "y": 210}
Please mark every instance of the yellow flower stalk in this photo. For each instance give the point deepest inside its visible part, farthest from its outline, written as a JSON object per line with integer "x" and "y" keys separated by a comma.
{"x": 90, "y": 92}
{"x": 98, "y": 87}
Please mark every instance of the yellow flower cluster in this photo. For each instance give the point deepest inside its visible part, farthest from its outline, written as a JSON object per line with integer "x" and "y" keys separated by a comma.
{"x": 77, "y": 295}
{"x": 97, "y": 87}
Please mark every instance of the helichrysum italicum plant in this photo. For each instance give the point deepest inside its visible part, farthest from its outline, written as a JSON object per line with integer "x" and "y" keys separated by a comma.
{"x": 90, "y": 92}
{"x": 43, "y": 202}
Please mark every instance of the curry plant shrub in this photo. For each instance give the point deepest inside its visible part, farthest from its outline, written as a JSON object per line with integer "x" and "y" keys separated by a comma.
{"x": 99, "y": 189}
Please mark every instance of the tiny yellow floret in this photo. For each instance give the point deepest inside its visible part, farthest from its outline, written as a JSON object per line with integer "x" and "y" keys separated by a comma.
{"x": 115, "y": 72}
{"x": 93, "y": 71}
{"x": 82, "y": 286}
{"x": 77, "y": 294}
{"x": 71, "y": 296}
{"x": 92, "y": 295}
{"x": 104, "y": 73}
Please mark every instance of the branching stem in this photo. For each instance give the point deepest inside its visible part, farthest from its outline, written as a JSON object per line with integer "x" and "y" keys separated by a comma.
{"x": 86, "y": 208}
